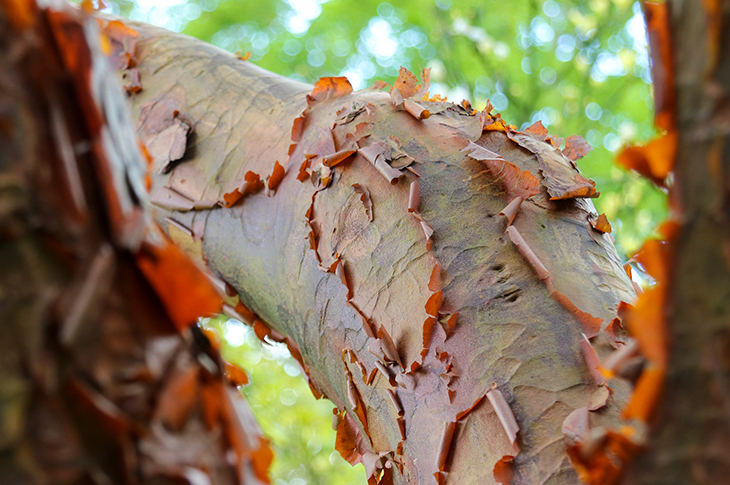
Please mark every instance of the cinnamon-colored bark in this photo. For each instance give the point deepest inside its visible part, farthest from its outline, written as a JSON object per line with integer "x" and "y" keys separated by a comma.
{"x": 690, "y": 442}
{"x": 102, "y": 379}
{"x": 344, "y": 279}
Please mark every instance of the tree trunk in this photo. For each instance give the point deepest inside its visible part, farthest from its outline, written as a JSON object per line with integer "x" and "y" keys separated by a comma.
{"x": 405, "y": 311}
{"x": 691, "y": 443}
{"x": 101, "y": 380}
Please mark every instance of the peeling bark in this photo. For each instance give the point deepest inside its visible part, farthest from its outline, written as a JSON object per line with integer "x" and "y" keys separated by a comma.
{"x": 102, "y": 377}
{"x": 690, "y": 439}
{"x": 282, "y": 255}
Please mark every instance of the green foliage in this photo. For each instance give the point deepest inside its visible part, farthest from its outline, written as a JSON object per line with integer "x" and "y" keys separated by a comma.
{"x": 298, "y": 425}
{"x": 581, "y": 67}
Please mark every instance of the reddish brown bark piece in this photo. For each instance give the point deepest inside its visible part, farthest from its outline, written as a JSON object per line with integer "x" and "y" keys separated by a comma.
{"x": 511, "y": 210}
{"x": 506, "y": 418}
{"x": 261, "y": 330}
{"x": 576, "y": 148}
{"x": 178, "y": 398}
{"x": 356, "y": 402}
{"x": 616, "y": 333}
{"x": 371, "y": 377}
{"x": 378, "y": 154}
{"x": 401, "y": 427}
{"x": 388, "y": 347}
{"x": 416, "y": 110}
{"x": 337, "y": 157}
{"x": 122, "y": 42}
{"x": 414, "y": 197}
{"x": 407, "y": 83}
{"x": 119, "y": 31}
{"x": 158, "y": 263}
{"x": 451, "y": 324}
{"x": 440, "y": 478}
{"x": 248, "y": 316}
{"x": 348, "y": 439}
{"x": 297, "y": 129}
{"x": 235, "y": 374}
{"x": 433, "y": 305}
{"x": 524, "y": 249}
{"x": 537, "y": 130}
{"x": 434, "y": 284}
{"x": 276, "y": 176}
{"x": 591, "y": 325}
{"x": 515, "y": 182}
{"x": 601, "y": 224}
{"x": 504, "y": 469}
{"x": 661, "y": 44}
{"x": 591, "y": 359}
{"x": 303, "y": 175}
{"x": 654, "y": 160}
{"x": 329, "y": 88}
{"x": 229, "y": 289}
{"x": 428, "y": 331}
{"x": 575, "y": 426}
{"x": 252, "y": 183}
{"x": 496, "y": 123}
{"x": 171, "y": 199}
{"x": 560, "y": 177}
{"x": 445, "y": 444}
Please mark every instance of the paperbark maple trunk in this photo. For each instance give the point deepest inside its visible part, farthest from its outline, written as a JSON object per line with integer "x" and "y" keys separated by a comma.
{"x": 341, "y": 257}
{"x": 101, "y": 380}
{"x": 691, "y": 442}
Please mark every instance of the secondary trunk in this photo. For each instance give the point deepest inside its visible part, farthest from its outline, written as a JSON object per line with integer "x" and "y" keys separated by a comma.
{"x": 101, "y": 381}
{"x": 691, "y": 442}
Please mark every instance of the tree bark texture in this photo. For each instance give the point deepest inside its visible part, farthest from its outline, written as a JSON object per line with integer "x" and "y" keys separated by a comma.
{"x": 101, "y": 380}
{"x": 454, "y": 341}
{"x": 691, "y": 442}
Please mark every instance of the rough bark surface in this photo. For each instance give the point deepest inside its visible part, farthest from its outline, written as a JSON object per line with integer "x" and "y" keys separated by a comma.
{"x": 101, "y": 380}
{"x": 449, "y": 337}
{"x": 691, "y": 442}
